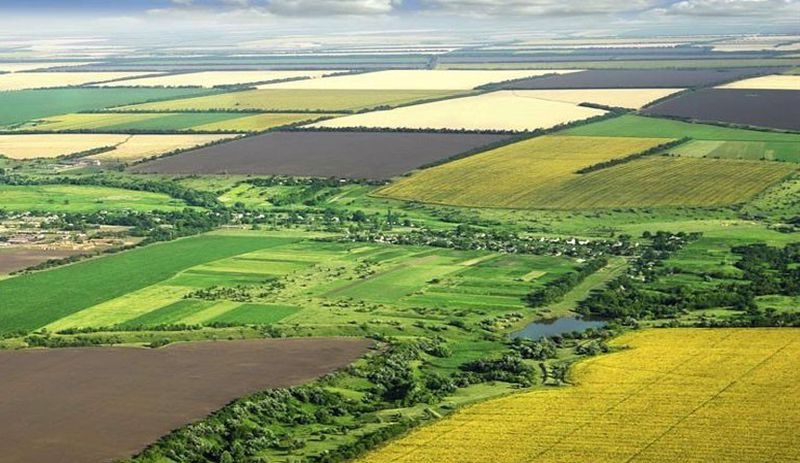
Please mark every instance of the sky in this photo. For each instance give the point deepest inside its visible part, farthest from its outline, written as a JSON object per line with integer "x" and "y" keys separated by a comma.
{"x": 682, "y": 16}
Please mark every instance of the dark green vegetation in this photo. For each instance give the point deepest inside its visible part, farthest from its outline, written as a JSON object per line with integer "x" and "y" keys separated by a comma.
{"x": 22, "y": 106}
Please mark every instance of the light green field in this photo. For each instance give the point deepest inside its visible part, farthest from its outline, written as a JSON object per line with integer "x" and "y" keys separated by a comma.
{"x": 81, "y": 198}
{"x": 166, "y": 122}
{"x": 296, "y": 100}
{"x": 322, "y": 285}
{"x": 750, "y": 150}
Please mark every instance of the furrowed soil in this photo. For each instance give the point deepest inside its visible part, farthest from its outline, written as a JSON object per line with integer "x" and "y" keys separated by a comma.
{"x": 87, "y": 405}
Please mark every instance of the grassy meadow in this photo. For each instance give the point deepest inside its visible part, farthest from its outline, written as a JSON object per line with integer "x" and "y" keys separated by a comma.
{"x": 82, "y": 198}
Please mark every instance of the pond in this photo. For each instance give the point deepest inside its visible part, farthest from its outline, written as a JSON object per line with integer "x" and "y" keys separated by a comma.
{"x": 556, "y": 326}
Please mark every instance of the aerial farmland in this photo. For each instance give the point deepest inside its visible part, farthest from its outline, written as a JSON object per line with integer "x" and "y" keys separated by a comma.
{"x": 361, "y": 232}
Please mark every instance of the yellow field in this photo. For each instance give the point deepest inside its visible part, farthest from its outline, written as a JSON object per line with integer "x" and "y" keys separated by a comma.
{"x": 677, "y": 395}
{"x": 53, "y": 145}
{"x": 296, "y": 100}
{"x": 85, "y": 121}
{"x": 29, "y": 80}
{"x": 505, "y": 110}
{"x": 540, "y": 173}
{"x": 260, "y": 122}
{"x": 774, "y": 82}
{"x": 633, "y": 98}
{"x": 413, "y": 80}
{"x": 138, "y": 147}
{"x": 214, "y": 78}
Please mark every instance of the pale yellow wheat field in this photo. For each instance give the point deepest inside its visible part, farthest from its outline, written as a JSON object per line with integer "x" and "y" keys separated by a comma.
{"x": 774, "y": 82}
{"x": 30, "y": 80}
{"x": 416, "y": 79}
{"x": 138, "y": 147}
{"x": 504, "y": 110}
{"x": 214, "y": 78}
{"x": 633, "y": 98}
{"x": 670, "y": 396}
{"x": 53, "y": 145}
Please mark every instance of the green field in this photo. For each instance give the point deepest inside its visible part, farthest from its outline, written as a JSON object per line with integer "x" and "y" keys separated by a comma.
{"x": 648, "y": 127}
{"x": 164, "y": 122}
{"x": 26, "y": 105}
{"x": 749, "y": 150}
{"x": 295, "y": 100}
{"x": 82, "y": 198}
{"x": 322, "y": 285}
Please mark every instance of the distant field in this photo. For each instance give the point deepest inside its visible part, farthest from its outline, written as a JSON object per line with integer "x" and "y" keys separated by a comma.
{"x": 26, "y": 105}
{"x": 80, "y": 198}
{"x": 138, "y": 147}
{"x": 214, "y": 78}
{"x": 32, "y": 80}
{"x": 636, "y": 78}
{"x": 149, "y": 286}
{"x": 648, "y": 127}
{"x": 777, "y": 109}
{"x": 411, "y": 80}
{"x": 673, "y": 396}
{"x": 295, "y": 100}
{"x": 33, "y": 65}
{"x": 627, "y": 64}
{"x": 323, "y": 154}
{"x": 616, "y": 97}
{"x": 541, "y": 173}
{"x": 166, "y": 122}
{"x": 774, "y": 82}
{"x": 125, "y": 147}
{"x": 751, "y": 150}
{"x": 506, "y": 110}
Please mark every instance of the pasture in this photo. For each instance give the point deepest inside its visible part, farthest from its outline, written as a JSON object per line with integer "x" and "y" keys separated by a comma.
{"x": 166, "y": 122}
{"x": 22, "y": 106}
{"x": 321, "y": 285}
{"x": 505, "y": 110}
{"x": 615, "y": 97}
{"x": 416, "y": 79}
{"x": 81, "y": 198}
{"x": 155, "y": 390}
{"x": 210, "y": 79}
{"x": 726, "y": 395}
{"x": 323, "y": 154}
{"x": 637, "y": 78}
{"x": 35, "y": 80}
{"x": 776, "y": 109}
{"x": 773, "y": 82}
{"x": 295, "y": 100}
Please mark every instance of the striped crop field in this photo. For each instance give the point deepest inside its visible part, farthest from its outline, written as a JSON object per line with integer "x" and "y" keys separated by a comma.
{"x": 670, "y": 395}
{"x": 541, "y": 173}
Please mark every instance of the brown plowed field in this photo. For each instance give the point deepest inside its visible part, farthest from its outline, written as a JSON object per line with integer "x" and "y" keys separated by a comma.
{"x": 89, "y": 405}
{"x": 375, "y": 155}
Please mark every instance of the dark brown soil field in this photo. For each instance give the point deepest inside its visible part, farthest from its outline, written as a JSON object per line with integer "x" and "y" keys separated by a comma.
{"x": 637, "y": 78}
{"x": 18, "y": 259}
{"x": 777, "y": 109}
{"x": 101, "y": 404}
{"x": 373, "y": 155}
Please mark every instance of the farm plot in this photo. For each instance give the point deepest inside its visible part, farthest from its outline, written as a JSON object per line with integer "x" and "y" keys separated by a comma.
{"x": 412, "y": 80}
{"x": 637, "y": 78}
{"x": 506, "y": 111}
{"x": 81, "y": 198}
{"x": 777, "y": 109}
{"x": 137, "y": 395}
{"x": 516, "y": 175}
{"x": 214, "y": 78}
{"x": 773, "y": 82}
{"x": 165, "y": 122}
{"x": 750, "y": 150}
{"x": 118, "y": 147}
{"x": 322, "y": 154}
{"x": 295, "y": 100}
{"x": 616, "y": 97}
{"x": 38, "y": 66}
{"x": 33, "y": 80}
{"x": 673, "y": 396}
{"x": 22, "y": 106}
{"x": 292, "y": 281}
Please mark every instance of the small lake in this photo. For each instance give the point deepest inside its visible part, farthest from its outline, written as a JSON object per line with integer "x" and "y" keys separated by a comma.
{"x": 556, "y": 326}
